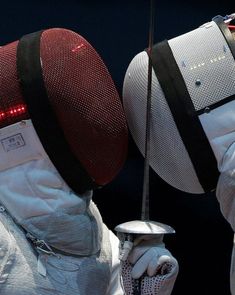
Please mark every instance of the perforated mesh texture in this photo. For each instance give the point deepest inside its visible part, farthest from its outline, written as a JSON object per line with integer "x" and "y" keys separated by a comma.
{"x": 168, "y": 156}
{"x": 86, "y": 102}
{"x": 11, "y": 100}
{"x": 83, "y": 97}
{"x": 202, "y": 55}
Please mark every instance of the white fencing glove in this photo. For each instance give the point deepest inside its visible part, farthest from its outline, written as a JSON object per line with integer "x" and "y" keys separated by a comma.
{"x": 150, "y": 269}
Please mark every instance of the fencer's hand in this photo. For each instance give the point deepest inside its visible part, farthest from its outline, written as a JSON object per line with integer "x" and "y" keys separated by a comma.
{"x": 149, "y": 267}
{"x": 149, "y": 255}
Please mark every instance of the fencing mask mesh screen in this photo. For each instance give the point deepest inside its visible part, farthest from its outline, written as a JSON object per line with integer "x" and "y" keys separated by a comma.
{"x": 193, "y": 74}
{"x": 12, "y": 105}
{"x": 57, "y": 79}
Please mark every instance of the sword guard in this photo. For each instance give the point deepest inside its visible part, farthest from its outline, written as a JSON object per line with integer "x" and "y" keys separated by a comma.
{"x": 144, "y": 227}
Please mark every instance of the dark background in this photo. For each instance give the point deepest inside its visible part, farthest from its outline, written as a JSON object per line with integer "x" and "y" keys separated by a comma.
{"x": 118, "y": 30}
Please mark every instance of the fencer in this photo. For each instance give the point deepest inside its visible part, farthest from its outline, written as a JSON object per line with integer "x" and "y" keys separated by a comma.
{"x": 192, "y": 112}
{"x": 63, "y": 134}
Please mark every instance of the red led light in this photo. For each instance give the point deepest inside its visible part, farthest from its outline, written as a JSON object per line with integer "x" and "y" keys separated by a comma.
{"x": 13, "y": 112}
{"x": 231, "y": 27}
{"x": 78, "y": 47}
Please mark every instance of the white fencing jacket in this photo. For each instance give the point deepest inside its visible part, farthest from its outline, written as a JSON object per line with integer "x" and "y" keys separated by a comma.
{"x": 52, "y": 241}
{"x": 219, "y": 126}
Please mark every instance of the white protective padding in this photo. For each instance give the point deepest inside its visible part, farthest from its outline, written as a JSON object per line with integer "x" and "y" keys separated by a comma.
{"x": 63, "y": 274}
{"x": 28, "y": 178}
{"x": 201, "y": 55}
{"x": 19, "y": 144}
{"x": 219, "y": 126}
{"x": 225, "y": 193}
{"x": 38, "y": 198}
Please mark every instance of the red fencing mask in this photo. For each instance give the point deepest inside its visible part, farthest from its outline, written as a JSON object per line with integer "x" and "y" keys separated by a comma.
{"x": 56, "y": 78}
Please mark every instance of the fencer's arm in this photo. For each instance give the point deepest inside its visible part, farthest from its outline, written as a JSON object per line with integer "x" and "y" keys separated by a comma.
{"x": 225, "y": 193}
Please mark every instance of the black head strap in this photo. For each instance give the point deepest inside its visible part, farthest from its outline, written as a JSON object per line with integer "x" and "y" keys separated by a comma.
{"x": 185, "y": 116}
{"x": 44, "y": 119}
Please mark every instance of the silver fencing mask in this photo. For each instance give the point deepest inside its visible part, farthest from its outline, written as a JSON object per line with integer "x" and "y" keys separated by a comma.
{"x": 57, "y": 79}
{"x": 193, "y": 77}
